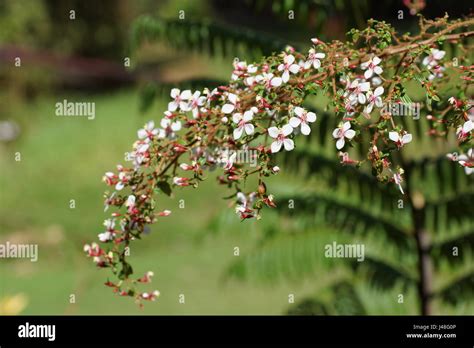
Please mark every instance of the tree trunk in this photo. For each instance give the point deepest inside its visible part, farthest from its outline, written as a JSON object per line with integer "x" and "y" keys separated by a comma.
{"x": 423, "y": 246}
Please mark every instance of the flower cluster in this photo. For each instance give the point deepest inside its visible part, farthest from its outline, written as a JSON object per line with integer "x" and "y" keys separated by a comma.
{"x": 261, "y": 110}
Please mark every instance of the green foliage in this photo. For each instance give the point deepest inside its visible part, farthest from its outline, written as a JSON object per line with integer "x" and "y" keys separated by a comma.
{"x": 286, "y": 256}
{"x": 205, "y": 37}
{"x": 351, "y": 201}
{"x": 344, "y": 198}
{"x": 459, "y": 290}
{"x": 343, "y": 300}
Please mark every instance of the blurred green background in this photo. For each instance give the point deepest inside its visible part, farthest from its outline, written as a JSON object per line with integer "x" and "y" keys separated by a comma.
{"x": 192, "y": 251}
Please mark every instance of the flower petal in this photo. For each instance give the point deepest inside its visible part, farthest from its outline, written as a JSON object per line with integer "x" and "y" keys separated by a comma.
{"x": 295, "y": 122}
{"x": 228, "y": 108}
{"x": 276, "y": 146}
{"x": 393, "y": 136}
{"x": 176, "y": 126}
{"x": 249, "y": 128}
{"x": 305, "y": 129}
{"x": 248, "y": 116}
{"x": 299, "y": 111}
{"x": 237, "y": 117}
{"x": 276, "y": 81}
{"x": 186, "y": 94}
{"x": 286, "y": 130}
{"x": 378, "y": 91}
{"x": 365, "y": 86}
{"x": 288, "y": 144}
{"x": 368, "y": 73}
{"x": 232, "y": 98}
{"x": 172, "y": 106}
{"x": 311, "y": 117}
{"x": 349, "y": 134}
{"x": 406, "y": 138}
{"x": 340, "y": 143}
{"x": 289, "y": 59}
{"x": 294, "y": 68}
{"x": 142, "y": 134}
{"x": 174, "y": 93}
{"x": 273, "y": 132}
{"x": 238, "y": 132}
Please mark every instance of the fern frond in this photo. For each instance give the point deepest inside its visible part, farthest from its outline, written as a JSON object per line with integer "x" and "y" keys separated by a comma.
{"x": 357, "y": 181}
{"x": 205, "y": 36}
{"x": 444, "y": 249}
{"x": 343, "y": 300}
{"x": 290, "y": 256}
{"x": 383, "y": 275}
{"x": 460, "y": 290}
{"x": 345, "y": 216}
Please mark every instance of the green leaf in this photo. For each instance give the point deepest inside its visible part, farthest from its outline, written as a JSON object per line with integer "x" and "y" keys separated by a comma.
{"x": 459, "y": 290}
{"x": 126, "y": 271}
{"x": 165, "y": 187}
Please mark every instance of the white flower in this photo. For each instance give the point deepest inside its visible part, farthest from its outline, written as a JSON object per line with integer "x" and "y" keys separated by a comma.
{"x": 467, "y": 161}
{"x": 243, "y": 124}
{"x": 341, "y": 132}
{"x": 432, "y": 59}
{"x": 452, "y": 156}
{"x": 179, "y": 99}
{"x": 227, "y": 160}
{"x": 269, "y": 80}
{"x": 358, "y": 90}
{"x": 452, "y": 101}
{"x": 303, "y": 118}
{"x": 437, "y": 73}
{"x": 196, "y": 102}
{"x": 130, "y": 202}
{"x": 463, "y": 132}
{"x": 314, "y": 59}
{"x": 244, "y": 205}
{"x": 123, "y": 179}
{"x": 374, "y": 98}
{"x": 148, "y": 131}
{"x": 287, "y": 67}
{"x": 371, "y": 67}
{"x": 109, "y": 233}
{"x": 140, "y": 154}
{"x": 109, "y": 224}
{"x": 397, "y": 178}
{"x": 108, "y": 201}
{"x": 179, "y": 181}
{"x": 105, "y": 236}
{"x": 376, "y": 81}
{"x": 168, "y": 128}
{"x": 399, "y": 139}
{"x": 229, "y": 107}
{"x": 281, "y": 136}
